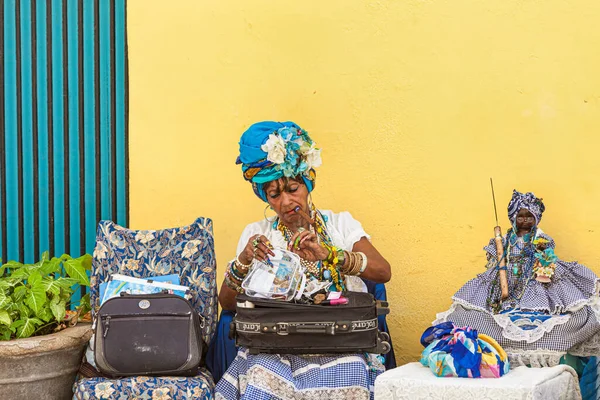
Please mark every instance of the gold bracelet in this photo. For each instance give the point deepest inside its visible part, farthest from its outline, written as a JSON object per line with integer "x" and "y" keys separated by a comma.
{"x": 357, "y": 263}
{"x": 354, "y": 263}
{"x": 363, "y": 267}
{"x": 350, "y": 264}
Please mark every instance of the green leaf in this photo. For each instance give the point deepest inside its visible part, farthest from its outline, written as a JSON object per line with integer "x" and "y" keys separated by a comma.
{"x": 84, "y": 304}
{"x": 58, "y": 308}
{"x": 49, "y": 267}
{"x": 65, "y": 294}
{"x": 51, "y": 286}
{"x": 19, "y": 293}
{"x": 86, "y": 261}
{"x": 5, "y": 300}
{"x": 45, "y": 256}
{"x": 17, "y": 323}
{"x": 5, "y": 332}
{"x": 5, "y": 318}
{"x": 23, "y": 310}
{"x": 21, "y": 273}
{"x": 36, "y": 297}
{"x": 76, "y": 270}
{"x": 13, "y": 265}
{"x": 67, "y": 283}
{"x": 6, "y": 283}
{"x": 54, "y": 285}
{"x": 45, "y": 314}
{"x": 27, "y": 327}
{"x": 34, "y": 279}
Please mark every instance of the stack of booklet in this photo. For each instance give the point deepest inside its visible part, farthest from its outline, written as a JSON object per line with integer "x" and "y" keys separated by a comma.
{"x": 157, "y": 284}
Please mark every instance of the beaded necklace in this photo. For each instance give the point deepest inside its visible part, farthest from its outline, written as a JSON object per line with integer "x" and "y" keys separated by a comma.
{"x": 318, "y": 269}
{"x": 522, "y": 269}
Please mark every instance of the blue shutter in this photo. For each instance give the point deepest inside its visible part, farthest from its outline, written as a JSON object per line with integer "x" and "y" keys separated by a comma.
{"x": 63, "y": 124}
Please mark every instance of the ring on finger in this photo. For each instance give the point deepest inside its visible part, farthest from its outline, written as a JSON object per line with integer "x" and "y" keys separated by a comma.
{"x": 255, "y": 242}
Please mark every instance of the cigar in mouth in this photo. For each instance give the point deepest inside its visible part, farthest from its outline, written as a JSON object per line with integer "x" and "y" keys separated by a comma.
{"x": 304, "y": 215}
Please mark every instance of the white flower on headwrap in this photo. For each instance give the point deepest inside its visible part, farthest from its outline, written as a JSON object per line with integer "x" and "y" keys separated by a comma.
{"x": 313, "y": 157}
{"x": 275, "y": 149}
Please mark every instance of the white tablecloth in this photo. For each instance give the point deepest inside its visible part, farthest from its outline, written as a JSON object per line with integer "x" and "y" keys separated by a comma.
{"x": 416, "y": 382}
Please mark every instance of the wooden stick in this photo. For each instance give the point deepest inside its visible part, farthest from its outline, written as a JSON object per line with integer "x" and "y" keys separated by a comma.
{"x": 501, "y": 262}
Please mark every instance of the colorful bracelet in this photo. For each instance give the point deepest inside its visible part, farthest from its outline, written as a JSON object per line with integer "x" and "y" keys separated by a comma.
{"x": 232, "y": 285}
{"x": 233, "y": 274}
{"x": 233, "y": 278}
{"x": 240, "y": 275}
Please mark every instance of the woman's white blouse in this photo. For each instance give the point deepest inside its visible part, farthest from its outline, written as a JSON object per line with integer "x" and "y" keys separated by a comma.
{"x": 344, "y": 230}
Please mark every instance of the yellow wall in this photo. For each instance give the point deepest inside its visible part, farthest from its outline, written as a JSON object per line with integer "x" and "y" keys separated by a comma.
{"x": 415, "y": 104}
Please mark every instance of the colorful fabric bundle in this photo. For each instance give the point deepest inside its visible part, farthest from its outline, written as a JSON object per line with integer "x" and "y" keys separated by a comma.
{"x": 461, "y": 352}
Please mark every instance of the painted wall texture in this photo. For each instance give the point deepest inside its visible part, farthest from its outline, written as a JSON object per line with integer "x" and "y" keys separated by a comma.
{"x": 416, "y": 104}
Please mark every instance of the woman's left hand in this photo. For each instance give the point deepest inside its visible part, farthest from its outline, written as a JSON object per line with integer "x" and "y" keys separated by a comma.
{"x": 306, "y": 245}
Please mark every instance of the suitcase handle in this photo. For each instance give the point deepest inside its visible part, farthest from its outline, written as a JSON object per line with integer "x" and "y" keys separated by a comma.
{"x": 382, "y": 307}
{"x": 324, "y": 329}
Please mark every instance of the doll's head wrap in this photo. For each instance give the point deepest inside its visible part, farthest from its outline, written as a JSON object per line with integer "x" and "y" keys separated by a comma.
{"x": 527, "y": 201}
{"x": 271, "y": 150}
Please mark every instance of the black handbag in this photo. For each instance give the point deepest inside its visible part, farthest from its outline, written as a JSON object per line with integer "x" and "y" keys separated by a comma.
{"x": 272, "y": 326}
{"x": 148, "y": 334}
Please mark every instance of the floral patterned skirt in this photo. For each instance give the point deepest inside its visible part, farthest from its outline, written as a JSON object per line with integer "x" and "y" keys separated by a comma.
{"x": 146, "y": 388}
{"x": 275, "y": 376}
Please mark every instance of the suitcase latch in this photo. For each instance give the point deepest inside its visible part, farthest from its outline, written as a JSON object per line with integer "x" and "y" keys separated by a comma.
{"x": 282, "y": 328}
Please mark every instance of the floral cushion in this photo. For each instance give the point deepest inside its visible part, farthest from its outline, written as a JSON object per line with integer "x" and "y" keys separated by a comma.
{"x": 187, "y": 251}
{"x": 146, "y": 388}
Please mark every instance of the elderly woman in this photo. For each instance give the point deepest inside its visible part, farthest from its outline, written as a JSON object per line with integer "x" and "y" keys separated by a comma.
{"x": 278, "y": 159}
{"x": 551, "y": 305}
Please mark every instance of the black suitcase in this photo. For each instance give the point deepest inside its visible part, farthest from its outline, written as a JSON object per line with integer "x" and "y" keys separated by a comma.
{"x": 148, "y": 334}
{"x": 288, "y": 328}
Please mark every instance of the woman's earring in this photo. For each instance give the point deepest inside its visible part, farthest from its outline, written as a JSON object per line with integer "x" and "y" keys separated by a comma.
{"x": 265, "y": 214}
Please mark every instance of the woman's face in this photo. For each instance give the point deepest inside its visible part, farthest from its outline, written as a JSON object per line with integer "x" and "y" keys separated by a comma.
{"x": 525, "y": 220}
{"x": 284, "y": 195}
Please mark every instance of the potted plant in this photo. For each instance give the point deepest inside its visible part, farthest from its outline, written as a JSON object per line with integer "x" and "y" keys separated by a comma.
{"x": 41, "y": 346}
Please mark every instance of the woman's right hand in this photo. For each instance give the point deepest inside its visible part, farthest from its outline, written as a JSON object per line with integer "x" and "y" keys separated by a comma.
{"x": 258, "y": 247}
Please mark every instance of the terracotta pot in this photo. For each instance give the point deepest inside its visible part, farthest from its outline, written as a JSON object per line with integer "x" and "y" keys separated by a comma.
{"x": 42, "y": 367}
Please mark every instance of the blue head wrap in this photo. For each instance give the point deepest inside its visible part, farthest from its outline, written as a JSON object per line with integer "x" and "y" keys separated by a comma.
{"x": 527, "y": 201}
{"x": 270, "y": 150}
